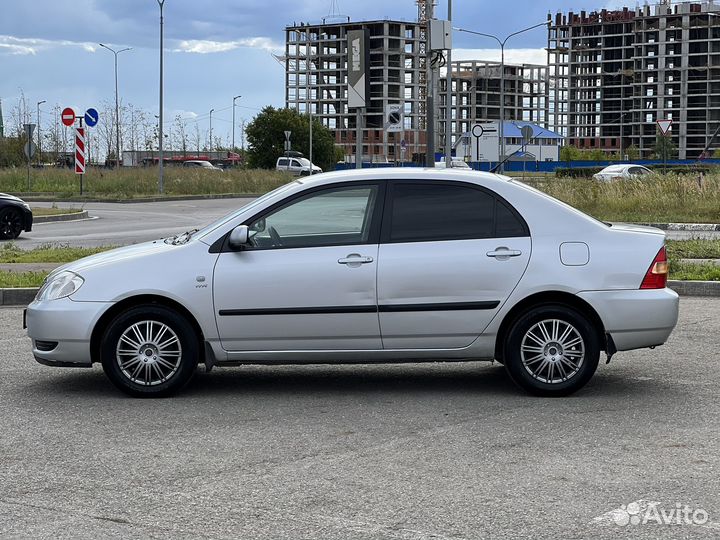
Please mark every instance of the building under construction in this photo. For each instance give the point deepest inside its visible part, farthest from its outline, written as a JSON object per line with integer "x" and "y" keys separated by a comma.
{"x": 614, "y": 74}
{"x": 316, "y": 60}
{"x": 476, "y": 95}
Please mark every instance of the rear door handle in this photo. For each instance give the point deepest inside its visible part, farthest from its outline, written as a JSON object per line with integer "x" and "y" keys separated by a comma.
{"x": 355, "y": 258}
{"x": 503, "y": 253}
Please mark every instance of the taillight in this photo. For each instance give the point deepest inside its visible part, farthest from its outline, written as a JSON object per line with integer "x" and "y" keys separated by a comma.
{"x": 656, "y": 276}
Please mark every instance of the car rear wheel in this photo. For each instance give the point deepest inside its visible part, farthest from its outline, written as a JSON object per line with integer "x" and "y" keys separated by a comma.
{"x": 11, "y": 224}
{"x": 149, "y": 351}
{"x": 552, "y": 350}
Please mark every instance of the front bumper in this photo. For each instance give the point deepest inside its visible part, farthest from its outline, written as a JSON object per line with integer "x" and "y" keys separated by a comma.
{"x": 636, "y": 318}
{"x": 67, "y": 323}
{"x": 27, "y": 226}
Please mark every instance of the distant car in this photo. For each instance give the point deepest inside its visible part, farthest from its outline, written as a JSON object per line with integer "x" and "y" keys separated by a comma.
{"x": 454, "y": 164}
{"x": 15, "y": 217}
{"x": 200, "y": 164}
{"x": 297, "y": 166}
{"x": 621, "y": 172}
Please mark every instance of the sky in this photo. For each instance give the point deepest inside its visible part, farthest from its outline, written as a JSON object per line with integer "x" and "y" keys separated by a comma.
{"x": 214, "y": 49}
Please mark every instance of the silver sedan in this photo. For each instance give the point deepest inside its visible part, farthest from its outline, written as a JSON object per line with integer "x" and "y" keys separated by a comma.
{"x": 384, "y": 265}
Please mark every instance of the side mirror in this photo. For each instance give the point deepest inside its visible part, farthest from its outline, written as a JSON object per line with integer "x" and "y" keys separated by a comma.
{"x": 238, "y": 237}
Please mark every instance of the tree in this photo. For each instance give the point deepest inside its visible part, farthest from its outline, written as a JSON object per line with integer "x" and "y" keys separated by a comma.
{"x": 265, "y": 137}
{"x": 632, "y": 152}
{"x": 570, "y": 153}
{"x": 664, "y": 147}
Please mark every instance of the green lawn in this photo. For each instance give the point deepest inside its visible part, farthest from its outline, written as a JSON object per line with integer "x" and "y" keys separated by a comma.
{"x": 54, "y": 211}
{"x": 11, "y": 253}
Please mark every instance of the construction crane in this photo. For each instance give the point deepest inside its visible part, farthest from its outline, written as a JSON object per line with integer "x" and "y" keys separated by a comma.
{"x": 425, "y": 8}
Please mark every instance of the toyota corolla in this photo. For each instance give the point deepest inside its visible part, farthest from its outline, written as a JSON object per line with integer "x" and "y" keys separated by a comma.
{"x": 383, "y": 265}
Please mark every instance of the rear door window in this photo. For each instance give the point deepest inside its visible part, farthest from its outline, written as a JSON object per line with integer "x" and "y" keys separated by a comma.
{"x": 426, "y": 212}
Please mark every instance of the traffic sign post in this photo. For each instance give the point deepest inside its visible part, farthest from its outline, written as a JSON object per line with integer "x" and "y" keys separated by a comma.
{"x": 287, "y": 149}
{"x": 90, "y": 119}
{"x": 80, "y": 154}
{"x": 29, "y": 148}
{"x": 665, "y": 126}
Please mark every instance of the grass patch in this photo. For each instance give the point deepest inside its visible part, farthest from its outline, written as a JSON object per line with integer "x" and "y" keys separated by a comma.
{"x": 21, "y": 279}
{"x": 130, "y": 183}
{"x": 50, "y": 253}
{"x": 657, "y": 198}
{"x": 694, "y": 272}
{"x": 54, "y": 211}
{"x": 693, "y": 249}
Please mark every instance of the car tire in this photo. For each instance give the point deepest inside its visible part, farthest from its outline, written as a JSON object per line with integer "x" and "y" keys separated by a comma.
{"x": 551, "y": 350}
{"x": 11, "y": 224}
{"x": 149, "y": 351}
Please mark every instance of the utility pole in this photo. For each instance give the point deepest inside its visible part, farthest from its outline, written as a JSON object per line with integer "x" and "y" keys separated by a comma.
{"x": 39, "y": 145}
{"x": 448, "y": 108}
{"x": 430, "y": 107}
{"x": 161, "y": 3}
{"x": 233, "y": 132}
{"x": 117, "y": 103}
{"x": 210, "y": 146}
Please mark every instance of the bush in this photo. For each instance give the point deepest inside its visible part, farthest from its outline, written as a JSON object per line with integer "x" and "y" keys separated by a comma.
{"x": 577, "y": 172}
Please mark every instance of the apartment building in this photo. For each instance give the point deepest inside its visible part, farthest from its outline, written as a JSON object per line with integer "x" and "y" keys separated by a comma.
{"x": 614, "y": 73}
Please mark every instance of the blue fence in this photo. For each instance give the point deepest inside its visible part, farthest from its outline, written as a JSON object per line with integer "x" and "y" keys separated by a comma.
{"x": 540, "y": 166}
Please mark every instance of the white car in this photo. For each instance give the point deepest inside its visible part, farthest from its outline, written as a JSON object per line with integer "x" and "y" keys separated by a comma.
{"x": 621, "y": 172}
{"x": 200, "y": 164}
{"x": 366, "y": 266}
{"x": 297, "y": 166}
{"x": 454, "y": 164}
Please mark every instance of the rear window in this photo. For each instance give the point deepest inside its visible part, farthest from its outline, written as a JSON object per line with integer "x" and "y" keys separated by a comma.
{"x": 432, "y": 212}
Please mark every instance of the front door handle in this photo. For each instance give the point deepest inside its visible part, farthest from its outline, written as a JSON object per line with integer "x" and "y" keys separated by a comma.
{"x": 354, "y": 259}
{"x": 503, "y": 253}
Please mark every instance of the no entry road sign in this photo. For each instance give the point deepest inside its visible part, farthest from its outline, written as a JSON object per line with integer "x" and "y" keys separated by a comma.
{"x": 68, "y": 116}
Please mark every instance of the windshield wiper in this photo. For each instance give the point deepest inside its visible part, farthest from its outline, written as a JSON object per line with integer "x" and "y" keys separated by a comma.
{"x": 181, "y": 238}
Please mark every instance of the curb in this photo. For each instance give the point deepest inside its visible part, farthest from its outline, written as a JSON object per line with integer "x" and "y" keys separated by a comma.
{"x": 22, "y": 297}
{"x": 76, "y": 216}
{"x": 700, "y": 227}
{"x": 17, "y": 296}
{"x": 50, "y": 198}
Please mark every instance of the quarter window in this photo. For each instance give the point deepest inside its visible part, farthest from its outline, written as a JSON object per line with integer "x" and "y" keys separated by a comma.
{"x": 432, "y": 212}
{"x": 330, "y": 217}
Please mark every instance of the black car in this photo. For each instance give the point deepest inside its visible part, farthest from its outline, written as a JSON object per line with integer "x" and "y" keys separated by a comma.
{"x": 15, "y": 217}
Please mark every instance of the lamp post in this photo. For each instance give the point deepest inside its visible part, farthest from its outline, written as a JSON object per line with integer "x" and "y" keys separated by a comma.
{"x": 233, "y": 133}
{"x": 117, "y": 103}
{"x": 39, "y": 145}
{"x": 161, "y": 3}
{"x": 211, "y": 145}
{"x": 502, "y": 43}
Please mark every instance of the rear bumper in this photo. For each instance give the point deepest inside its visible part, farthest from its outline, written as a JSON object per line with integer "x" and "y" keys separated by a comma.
{"x": 636, "y": 318}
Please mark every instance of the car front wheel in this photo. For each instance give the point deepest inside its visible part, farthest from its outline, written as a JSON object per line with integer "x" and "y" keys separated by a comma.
{"x": 552, "y": 350}
{"x": 149, "y": 351}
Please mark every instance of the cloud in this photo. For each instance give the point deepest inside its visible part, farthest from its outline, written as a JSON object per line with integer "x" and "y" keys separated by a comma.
{"x": 24, "y": 46}
{"x": 512, "y": 56}
{"x": 205, "y": 46}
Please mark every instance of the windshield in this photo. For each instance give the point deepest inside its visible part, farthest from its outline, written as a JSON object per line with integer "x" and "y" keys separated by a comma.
{"x": 217, "y": 223}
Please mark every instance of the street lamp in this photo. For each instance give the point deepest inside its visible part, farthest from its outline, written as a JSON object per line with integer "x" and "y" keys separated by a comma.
{"x": 233, "y": 142}
{"x": 117, "y": 106}
{"x": 161, "y": 3}
{"x": 38, "y": 128}
{"x": 502, "y": 43}
{"x": 211, "y": 111}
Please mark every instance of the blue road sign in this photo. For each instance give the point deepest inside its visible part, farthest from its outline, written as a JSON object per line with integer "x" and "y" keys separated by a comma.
{"x": 91, "y": 117}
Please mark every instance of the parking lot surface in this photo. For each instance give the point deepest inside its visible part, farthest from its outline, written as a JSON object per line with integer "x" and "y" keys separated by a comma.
{"x": 434, "y": 451}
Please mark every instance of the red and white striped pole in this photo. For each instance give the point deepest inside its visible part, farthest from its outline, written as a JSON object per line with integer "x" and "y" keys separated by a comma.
{"x": 80, "y": 154}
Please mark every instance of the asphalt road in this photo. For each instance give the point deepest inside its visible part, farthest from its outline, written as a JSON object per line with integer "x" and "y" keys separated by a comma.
{"x": 130, "y": 223}
{"x": 365, "y": 452}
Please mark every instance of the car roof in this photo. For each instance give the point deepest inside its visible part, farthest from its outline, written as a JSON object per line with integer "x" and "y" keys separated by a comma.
{"x": 404, "y": 173}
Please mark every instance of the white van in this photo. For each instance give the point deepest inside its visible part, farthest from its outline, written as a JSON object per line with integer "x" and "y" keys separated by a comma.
{"x": 297, "y": 166}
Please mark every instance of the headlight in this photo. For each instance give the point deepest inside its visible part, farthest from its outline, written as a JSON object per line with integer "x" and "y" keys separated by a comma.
{"x": 60, "y": 285}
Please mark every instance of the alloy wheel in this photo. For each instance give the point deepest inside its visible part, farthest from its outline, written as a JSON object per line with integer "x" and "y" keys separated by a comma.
{"x": 552, "y": 351}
